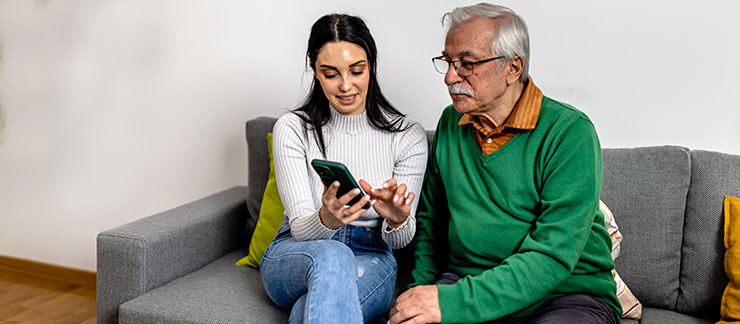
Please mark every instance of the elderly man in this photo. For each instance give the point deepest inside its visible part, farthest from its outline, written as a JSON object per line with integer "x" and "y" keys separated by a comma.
{"x": 509, "y": 228}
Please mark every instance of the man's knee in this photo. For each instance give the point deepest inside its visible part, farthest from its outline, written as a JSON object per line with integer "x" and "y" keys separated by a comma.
{"x": 576, "y": 308}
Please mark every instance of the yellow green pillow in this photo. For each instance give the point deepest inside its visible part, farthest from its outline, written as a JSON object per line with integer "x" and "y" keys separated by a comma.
{"x": 730, "y": 306}
{"x": 270, "y": 218}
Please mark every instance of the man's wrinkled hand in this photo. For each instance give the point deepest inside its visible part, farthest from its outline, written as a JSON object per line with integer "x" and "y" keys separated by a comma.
{"x": 417, "y": 305}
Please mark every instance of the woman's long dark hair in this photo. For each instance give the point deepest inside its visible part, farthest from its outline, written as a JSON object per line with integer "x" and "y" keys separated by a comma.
{"x": 336, "y": 28}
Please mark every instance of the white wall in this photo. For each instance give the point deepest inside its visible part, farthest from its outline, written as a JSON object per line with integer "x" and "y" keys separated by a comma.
{"x": 119, "y": 109}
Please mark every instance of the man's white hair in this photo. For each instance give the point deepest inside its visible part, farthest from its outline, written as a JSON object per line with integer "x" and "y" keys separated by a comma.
{"x": 512, "y": 38}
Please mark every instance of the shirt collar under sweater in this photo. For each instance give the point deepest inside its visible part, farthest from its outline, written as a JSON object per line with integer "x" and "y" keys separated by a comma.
{"x": 348, "y": 124}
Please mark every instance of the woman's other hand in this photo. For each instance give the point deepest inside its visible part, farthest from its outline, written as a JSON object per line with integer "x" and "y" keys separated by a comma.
{"x": 333, "y": 213}
{"x": 390, "y": 201}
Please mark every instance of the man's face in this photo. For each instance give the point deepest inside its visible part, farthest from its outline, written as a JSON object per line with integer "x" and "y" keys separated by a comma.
{"x": 471, "y": 41}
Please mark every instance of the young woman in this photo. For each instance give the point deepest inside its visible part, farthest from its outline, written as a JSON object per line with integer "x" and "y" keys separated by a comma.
{"x": 331, "y": 263}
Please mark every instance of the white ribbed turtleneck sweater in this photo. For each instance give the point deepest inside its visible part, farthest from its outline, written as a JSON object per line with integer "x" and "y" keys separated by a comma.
{"x": 370, "y": 154}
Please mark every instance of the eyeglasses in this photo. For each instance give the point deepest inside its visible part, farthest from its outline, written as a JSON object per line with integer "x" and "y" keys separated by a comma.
{"x": 462, "y": 67}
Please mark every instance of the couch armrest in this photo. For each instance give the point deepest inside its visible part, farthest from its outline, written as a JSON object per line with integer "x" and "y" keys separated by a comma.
{"x": 150, "y": 252}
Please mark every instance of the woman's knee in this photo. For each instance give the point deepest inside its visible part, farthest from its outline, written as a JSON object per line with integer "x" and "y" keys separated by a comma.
{"x": 332, "y": 254}
{"x": 286, "y": 269}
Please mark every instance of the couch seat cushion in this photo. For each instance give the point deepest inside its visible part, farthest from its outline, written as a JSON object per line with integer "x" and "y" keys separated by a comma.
{"x": 662, "y": 316}
{"x": 220, "y": 292}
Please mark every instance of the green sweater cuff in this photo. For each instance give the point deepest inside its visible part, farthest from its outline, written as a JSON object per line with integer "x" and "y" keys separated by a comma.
{"x": 452, "y": 305}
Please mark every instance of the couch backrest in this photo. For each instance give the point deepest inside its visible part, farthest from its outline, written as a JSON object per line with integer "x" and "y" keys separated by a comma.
{"x": 714, "y": 175}
{"x": 258, "y": 168}
{"x": 668, "y": 203}
{"x": 646, "y": 188}
{"x": 666, "y": 200}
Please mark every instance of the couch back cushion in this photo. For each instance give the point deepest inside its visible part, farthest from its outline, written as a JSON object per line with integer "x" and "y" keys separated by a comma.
{"x": 646, "y": 189}
{"x": 258, "y": 169}
{"x": 713, "y": 176}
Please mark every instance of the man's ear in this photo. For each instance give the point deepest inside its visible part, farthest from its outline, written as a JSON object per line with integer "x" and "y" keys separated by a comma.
{"x": 515, "y": 68}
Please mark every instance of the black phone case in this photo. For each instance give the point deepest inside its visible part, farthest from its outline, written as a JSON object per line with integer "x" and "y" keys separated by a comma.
{"x": 330, "y": 171}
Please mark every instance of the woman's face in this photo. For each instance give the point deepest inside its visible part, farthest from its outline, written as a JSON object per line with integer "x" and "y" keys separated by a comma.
{"x": 343, "y": 71}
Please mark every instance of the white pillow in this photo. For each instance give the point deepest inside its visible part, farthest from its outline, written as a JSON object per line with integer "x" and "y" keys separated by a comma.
{"x": 631, "y": 307}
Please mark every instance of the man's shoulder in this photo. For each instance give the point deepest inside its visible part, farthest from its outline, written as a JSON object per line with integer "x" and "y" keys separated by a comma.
{"x": 557, "y": 111}
{"x": 450, "y": 117}
{"x": 558, "y": 119}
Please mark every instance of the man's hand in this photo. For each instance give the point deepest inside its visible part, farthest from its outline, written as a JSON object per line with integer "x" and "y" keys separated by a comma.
{"x": 416, "y": 306}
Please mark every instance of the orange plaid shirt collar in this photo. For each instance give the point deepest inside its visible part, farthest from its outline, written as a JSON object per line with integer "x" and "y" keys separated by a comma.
{"x": 524, "y": 115}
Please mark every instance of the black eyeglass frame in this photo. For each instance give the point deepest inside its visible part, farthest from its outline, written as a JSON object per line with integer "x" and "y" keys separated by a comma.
{"x": 457, "y": 63}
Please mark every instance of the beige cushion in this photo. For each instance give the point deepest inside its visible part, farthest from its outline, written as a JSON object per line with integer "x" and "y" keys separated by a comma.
{"x": 631, "y": 307}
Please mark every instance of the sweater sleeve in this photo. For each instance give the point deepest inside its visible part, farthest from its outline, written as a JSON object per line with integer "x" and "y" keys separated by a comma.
{"x": 571, "y": 183}
{"x": 291, "y": 174}
{"x": 408, "y": 169}
{"x": 432, "y": 251}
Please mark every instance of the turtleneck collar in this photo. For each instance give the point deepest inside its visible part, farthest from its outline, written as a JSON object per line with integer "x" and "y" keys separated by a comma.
{"x": 348, "y": 124}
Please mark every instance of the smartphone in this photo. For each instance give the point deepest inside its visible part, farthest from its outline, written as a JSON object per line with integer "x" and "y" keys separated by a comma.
{"x": 330, "y": 171}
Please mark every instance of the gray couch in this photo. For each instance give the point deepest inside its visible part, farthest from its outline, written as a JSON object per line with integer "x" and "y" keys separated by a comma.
{"x": 178, "y": 266}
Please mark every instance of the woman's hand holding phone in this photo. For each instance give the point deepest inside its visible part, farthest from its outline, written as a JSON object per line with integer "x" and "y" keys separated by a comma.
{"x": 333, "y": 213}
{"x": 390, "y": 201}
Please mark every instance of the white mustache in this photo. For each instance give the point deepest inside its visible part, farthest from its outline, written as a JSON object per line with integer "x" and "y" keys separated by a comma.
{"x": 458, "y": 88}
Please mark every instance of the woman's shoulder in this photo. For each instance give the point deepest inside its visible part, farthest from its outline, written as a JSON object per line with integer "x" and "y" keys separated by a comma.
{"x": 411, "y": 130}
{"x": 290, "y": 120}
{"x": 290, "y": 117}
{"x": 411, "y": 126}
{"x": 289, "y": 127}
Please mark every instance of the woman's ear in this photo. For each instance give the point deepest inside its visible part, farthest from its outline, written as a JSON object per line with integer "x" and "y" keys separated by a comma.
{"x": 313, "y": 70}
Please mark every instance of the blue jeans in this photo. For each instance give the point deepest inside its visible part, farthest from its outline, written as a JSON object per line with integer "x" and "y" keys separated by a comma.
{"x": 347, "y": 279}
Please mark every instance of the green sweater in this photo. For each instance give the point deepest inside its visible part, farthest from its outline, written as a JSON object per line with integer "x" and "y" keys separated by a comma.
{"x": 521, "y": 225}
